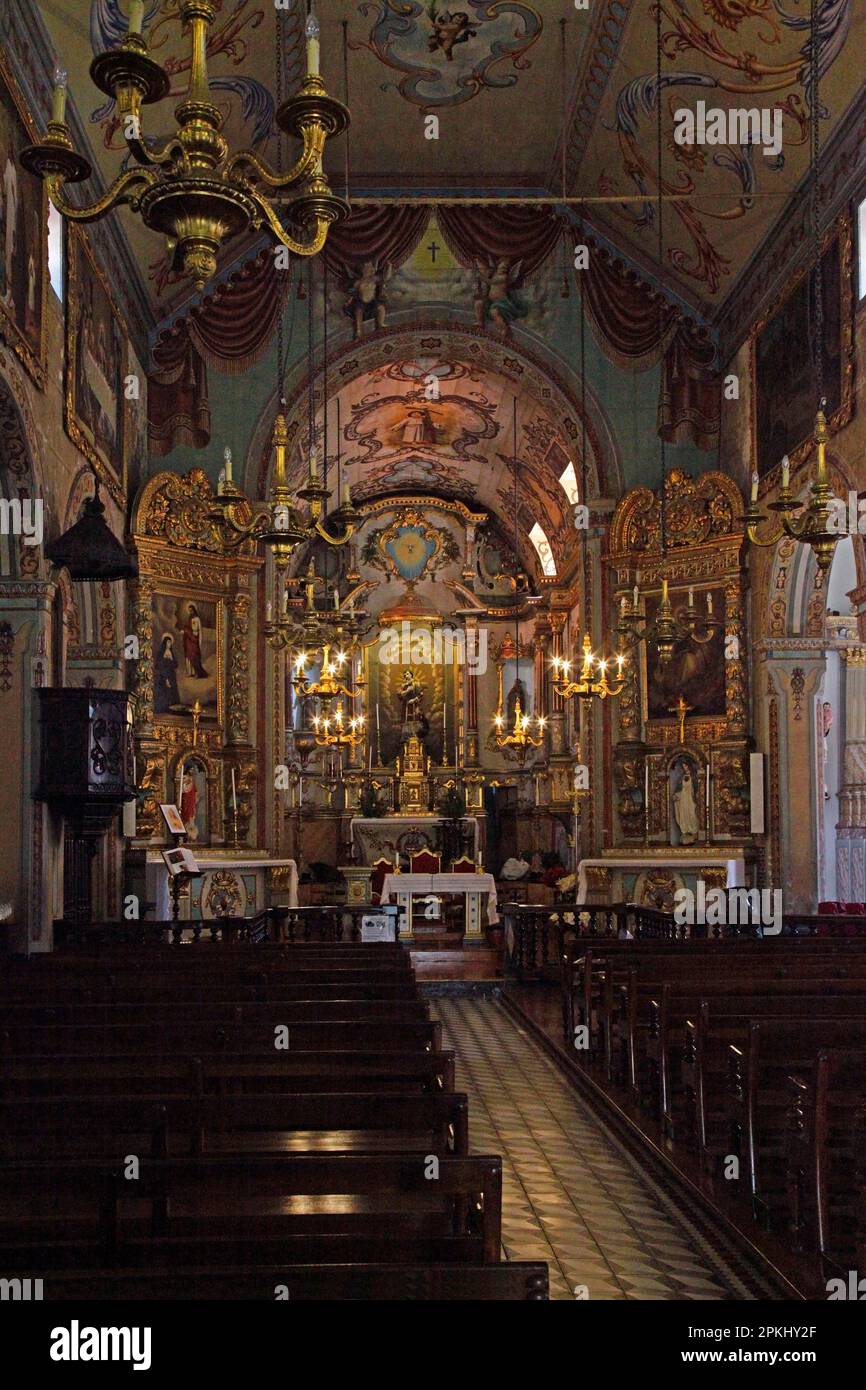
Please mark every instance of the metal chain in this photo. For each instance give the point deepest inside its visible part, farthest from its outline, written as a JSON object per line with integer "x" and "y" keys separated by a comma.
{"x": 280, "y": 94}
{"x": 661, "y": 243}
{"x": 816, "y": 188}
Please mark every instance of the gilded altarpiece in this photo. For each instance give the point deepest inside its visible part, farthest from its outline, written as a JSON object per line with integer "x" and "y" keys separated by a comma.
{"x": 681, "y": 735}
{"x": 191, "y": 609}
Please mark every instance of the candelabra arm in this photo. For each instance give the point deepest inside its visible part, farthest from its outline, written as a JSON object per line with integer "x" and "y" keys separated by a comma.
{"x": 308, "y": 163}
{"x": 752, "y": 533}
{"x": 120, "y": 192}
{"x": 326, "y": 535}
{"x": 298, "y": 248}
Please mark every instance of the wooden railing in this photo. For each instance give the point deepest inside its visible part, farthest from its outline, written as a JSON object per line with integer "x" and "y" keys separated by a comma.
{"x": 534, "y": 936}
{"x": 332, "y": 922}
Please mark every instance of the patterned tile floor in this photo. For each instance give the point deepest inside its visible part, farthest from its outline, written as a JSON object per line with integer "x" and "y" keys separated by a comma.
{"x": 573, "y": 1196}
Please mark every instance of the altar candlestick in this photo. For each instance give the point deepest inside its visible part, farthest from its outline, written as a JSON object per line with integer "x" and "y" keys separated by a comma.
{"x": 58, "y": 102}
{"x": 311, "y": 32}
{"x": 378, "y": 739}
{"x": 234, "y": 792}
{"x": 136, "y": 16}
{"x": 179, "y": 784}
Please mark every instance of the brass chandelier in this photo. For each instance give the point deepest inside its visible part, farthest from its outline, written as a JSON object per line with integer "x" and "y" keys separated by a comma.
{"x": 339, "y": 731}
{"x": 528, "y": 731}
{"x": 817, "y": 525}
{"x": 593, "y": 681}
{"x": 192, "y": 189}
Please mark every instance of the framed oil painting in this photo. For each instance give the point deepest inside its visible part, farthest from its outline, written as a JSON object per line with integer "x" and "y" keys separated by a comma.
{"x": 696, "y": 670}
{"x": 782, "y": 367}
{"x": 96, "y": 366}
{"x": 23, "y": 235}
{"x": 187, "y": 656}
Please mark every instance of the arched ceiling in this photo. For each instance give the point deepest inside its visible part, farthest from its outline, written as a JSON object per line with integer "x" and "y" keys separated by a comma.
{"x": 396, "y": 437}
{"x": 492, "y": 74}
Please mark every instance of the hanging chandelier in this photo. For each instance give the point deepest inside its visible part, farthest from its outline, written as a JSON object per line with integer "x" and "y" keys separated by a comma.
{"x": 192, "y": 189}
{"x": 592, "y": 680}
{"x": 528, "y": 731}
{"x": 668, "y": 627}
{"x": 686, "y": 624}
{"x": 338, "y": 731}
{"x": 330, "y": 682}
{"x": 818, "y": 523}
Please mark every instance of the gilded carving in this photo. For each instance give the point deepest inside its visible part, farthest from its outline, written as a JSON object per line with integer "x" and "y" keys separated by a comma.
{"x": 238, "y": 693}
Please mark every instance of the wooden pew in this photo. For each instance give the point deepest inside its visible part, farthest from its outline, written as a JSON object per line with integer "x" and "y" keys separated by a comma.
{"x": 67, "y": 1040}
{"x": 824, "y": 1160}
{"x": 252, "y": 1209}
{"x": 98, "y": 1126}
{"x": 216, "y": 1074}
{"x": 269, "y": 1014}
{"x": 514, "y": 1282}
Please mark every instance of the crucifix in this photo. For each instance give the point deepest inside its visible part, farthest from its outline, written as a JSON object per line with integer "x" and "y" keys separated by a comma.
{"x": 433, "y": 248}
{"x": 681, "y": 709}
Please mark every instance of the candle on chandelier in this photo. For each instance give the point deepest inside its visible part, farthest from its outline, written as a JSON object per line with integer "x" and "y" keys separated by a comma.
{"x": 691, "y": 597}
{"x": 311, "y": 32}
{"x": 754, "y": 487}
{"x": 345, "y": 495}
{"x": 228, "y": 462}
{"x": 58, "y": 103}
{"x": 285, "y": 600}
{"x": 314, "y": 465}
{"x": 269, "y": 611}
{"x": 136, "y": 16}
{"x": 622, "y": 603}
{"x": 786, "y": 471}
{"x": 636, "y": 592}
{"x": 709, "y": 602}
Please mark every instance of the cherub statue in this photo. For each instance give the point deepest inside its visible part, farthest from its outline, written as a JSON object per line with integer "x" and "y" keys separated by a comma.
{"x": 367, "y": 298}
{"x": 493, "y": 302}
{"x": 449, "y": 30}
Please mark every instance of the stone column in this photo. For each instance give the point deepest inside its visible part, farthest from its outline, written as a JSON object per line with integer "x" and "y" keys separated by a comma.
{"x": 794, "y": 683}
{"x": 851, "y": 829}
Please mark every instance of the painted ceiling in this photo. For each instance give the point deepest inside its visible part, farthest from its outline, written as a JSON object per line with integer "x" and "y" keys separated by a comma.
{"x": 493, "y": 76}
{"x": 394, "y": 438}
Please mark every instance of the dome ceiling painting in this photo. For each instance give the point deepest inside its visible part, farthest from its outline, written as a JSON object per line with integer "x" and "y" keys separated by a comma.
{"x": 492, "y": 74}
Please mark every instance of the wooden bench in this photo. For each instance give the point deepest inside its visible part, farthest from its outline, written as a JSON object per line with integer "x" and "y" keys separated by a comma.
{"x": 252, "y": 1209}
{"x": 216, "y": 1074}
{"x": 99, "y": 1126}
{"x": 824, "y": 1160}
{"x": 514, "y": 1282}
{"x": 67, "y": 1040}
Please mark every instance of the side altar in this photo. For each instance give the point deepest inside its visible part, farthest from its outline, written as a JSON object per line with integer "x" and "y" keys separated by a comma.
{"x": 228, "y": 886}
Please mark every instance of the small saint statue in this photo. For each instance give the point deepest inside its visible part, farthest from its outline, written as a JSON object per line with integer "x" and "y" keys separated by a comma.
{"x": 685, "y": 806}
{"x": 410, "y": 694}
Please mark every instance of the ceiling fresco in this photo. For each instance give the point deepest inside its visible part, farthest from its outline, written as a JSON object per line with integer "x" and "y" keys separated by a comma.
{"x": 441, "y": 423}
{"x": 723, "y": 199}
{"x": 493, "y": 75}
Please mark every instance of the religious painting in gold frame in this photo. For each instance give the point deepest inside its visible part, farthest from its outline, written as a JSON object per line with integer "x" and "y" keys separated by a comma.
{"x": 696, "y": 670}
{"x": 187, "y": 644}
{"x": 23, "y": 234}
{"x": 96, "y": 367}
{"x": 781, "y": 363}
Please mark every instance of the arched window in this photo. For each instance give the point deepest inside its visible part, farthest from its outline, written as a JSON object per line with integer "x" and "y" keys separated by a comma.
{"x": 568, "y": 483}
{"x": 542, "y": 546}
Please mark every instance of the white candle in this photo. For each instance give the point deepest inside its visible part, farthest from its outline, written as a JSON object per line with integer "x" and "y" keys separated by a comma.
{"x": 269, "y": 611}
{"x": 285, "y": 600}
{"x": 709, "y": 602}
{"x": 786, "y": 471}
{"x": 58, "y": 103}
{"x": 691, "y": 597}
{"x": 314, "y": 465}
{"x": 300, "y": 791}
{"x": 228, "y": 458}
{"x": 179, "y": 783}
{"x": 234, "y": 792}
{"x": 134, "y": 771}
{"x": 622, "y": 605}
{"x": 754, "y": 487}
{"x": 312, "y": 35}
{"x": 345, "y": 496}
{"x": 136, "y": 16}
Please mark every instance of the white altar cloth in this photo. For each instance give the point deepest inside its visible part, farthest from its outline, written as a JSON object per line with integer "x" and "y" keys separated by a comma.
{"x": 735, "y": 868}
{"x": 404, "y": 887}
{"x": 157, "y": 877}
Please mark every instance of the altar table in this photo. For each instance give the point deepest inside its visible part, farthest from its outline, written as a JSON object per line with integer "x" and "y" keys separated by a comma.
{"x": 227, "y": 887}
{"x": 405, "y": 887}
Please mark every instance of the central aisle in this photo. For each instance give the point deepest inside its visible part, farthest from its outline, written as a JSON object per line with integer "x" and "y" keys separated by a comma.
{"x": 573, "y": 1196}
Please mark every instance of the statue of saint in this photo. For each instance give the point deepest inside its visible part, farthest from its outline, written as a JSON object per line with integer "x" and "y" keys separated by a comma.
{"x": 410, "y": 693}
{"x": 685, "y": 808}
